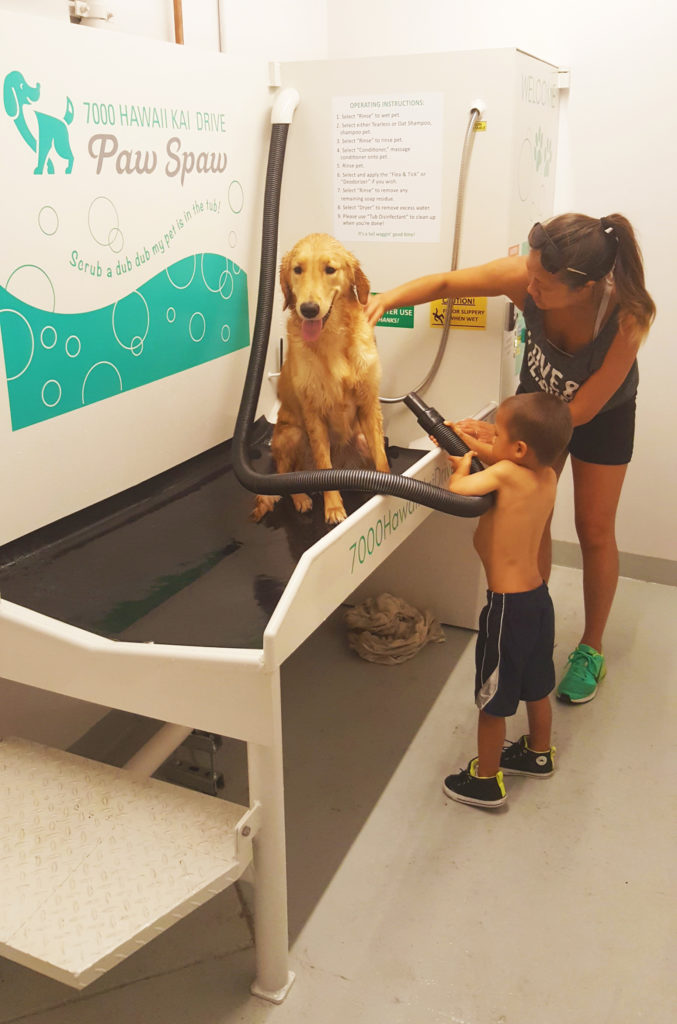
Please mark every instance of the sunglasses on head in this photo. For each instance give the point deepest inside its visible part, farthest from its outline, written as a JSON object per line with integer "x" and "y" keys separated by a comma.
{"x": 552, "y": 259}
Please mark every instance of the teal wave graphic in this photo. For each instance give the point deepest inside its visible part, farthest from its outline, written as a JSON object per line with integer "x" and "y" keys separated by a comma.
{"x": 192, "y": 312}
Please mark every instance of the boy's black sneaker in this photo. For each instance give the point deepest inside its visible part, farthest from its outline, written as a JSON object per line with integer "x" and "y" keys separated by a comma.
{"x": 468, "y": 788}
{"x": 518, "y": 759}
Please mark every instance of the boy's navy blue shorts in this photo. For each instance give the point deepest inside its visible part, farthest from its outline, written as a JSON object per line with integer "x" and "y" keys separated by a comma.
{"x": 513, "y": 656}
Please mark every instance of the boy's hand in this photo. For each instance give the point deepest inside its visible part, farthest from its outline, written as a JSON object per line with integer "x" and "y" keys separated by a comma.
{"x": 461, "y": 463}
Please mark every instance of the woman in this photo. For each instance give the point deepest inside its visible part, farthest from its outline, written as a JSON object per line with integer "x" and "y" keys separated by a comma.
{"x": 586, "y": 310}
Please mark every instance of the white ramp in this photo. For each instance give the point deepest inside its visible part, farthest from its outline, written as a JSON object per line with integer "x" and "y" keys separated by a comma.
{"x": 95, "y": 862}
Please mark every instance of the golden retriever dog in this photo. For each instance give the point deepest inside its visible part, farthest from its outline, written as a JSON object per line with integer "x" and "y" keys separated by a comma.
{"x": 328, "y": 387}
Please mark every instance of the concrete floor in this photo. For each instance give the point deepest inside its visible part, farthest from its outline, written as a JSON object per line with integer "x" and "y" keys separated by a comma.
{"x": 406, "y": 908}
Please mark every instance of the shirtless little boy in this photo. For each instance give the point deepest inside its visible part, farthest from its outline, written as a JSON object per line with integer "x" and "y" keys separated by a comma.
{"x": 515, "y": 641}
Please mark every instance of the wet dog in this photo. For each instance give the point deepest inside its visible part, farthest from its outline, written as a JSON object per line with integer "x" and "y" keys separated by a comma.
{"x": 328, "y": 388}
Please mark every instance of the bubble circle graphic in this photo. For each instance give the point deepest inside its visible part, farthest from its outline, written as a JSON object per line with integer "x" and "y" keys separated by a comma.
{"x": 33, "y": 286}
{"x": 197, "y": 334}
{"x": 48, "y": 220}
{"x": 180, "y": 269}
{"x": 23, "y": 352}
{"x": 73, "y": 346}
{"x": 232, "y": 239}
{"x": 235, "y": 196}
{"x": 54, "y": 393}
{"x": 171, "y": 315}
{"x": 225, "y": 333}
{"x": 48, "y": 336}
{"x": 116, "y": 240}
{"x": 130, "y": 321}
{"x": 210, "y": 265}
{"x": 104, "y": 380}
{"x": 227, "y": 284}
{"x": 103, "y": 220}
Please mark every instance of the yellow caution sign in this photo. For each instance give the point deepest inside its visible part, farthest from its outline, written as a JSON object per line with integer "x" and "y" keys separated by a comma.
{"x": 467, "y": 314}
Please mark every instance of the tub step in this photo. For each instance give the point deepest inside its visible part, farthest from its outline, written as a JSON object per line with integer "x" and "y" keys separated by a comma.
{"x": 94, "y": 862}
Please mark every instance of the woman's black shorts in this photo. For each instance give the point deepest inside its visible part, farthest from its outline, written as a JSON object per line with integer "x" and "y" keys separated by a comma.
{"x": 608, "y": 438}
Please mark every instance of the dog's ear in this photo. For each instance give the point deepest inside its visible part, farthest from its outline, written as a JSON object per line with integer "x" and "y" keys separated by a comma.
{"x": 361, "y": 282}
{"x": 285, "y": 268}
{"x": 10, "y": 97}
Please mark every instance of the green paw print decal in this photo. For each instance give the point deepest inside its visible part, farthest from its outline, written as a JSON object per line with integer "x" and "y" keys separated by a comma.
{"x": 538, "y": 149}
{"x": 542, "y": 152}
{"x": 547, "y": 158}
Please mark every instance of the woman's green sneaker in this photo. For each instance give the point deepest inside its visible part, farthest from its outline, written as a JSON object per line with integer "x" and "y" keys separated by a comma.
{"x": 586, "y": 670}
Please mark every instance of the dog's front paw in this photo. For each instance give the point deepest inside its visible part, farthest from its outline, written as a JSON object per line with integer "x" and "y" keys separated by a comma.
{"x": 302, "y": 502}
{"x": 264, "y": 503}
{"x": 334, "y": 512}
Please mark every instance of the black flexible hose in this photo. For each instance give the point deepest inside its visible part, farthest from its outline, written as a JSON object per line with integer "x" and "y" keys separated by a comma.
{"x": 364, "y": 480}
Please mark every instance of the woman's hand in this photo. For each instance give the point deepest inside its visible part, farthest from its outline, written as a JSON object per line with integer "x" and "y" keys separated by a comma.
{"x": 375, "y": 308}
{"x": 473, "y": 430}
{"x": 479, "y": 437}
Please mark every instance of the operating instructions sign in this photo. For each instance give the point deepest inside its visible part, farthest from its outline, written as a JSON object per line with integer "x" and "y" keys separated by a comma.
{"x": 388, "y": 167}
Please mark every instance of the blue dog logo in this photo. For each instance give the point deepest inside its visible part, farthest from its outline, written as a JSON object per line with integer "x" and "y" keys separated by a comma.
{"x": 52, "y": 132}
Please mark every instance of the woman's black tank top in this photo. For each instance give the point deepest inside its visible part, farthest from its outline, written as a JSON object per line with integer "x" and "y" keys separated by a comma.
{"x": 547, "y": 368}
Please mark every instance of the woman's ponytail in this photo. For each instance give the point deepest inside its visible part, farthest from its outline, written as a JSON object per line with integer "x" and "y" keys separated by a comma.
{"x": 628, "y": 273}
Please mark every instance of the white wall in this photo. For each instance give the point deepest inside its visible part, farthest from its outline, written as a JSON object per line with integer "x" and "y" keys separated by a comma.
{"x": 45, "y": 8}
{"x": 617, "y": 150}
{"x": 293, "y": 30}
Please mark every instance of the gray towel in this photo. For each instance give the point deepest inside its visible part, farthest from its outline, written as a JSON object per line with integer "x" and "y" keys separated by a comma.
{"x": 387, "y": 630}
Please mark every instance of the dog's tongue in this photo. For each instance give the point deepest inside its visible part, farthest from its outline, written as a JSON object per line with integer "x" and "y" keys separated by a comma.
{"x": 310, "y": 329}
